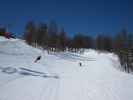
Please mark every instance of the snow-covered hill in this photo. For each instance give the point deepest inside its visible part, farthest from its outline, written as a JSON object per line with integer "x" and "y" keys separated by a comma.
{"x": 58, "y": 76}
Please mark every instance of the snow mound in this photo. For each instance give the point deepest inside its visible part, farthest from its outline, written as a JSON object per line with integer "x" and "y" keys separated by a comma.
{"x": 2, "y": 38}
{"x": 16, "y": 47}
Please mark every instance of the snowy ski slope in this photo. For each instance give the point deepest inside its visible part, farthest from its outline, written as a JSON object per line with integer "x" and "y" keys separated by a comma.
{"x": 58, "y": 76}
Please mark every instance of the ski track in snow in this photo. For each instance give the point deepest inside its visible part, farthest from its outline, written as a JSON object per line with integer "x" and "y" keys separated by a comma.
{"x": 49, "y": 90}
{"x": 11, "y": 80}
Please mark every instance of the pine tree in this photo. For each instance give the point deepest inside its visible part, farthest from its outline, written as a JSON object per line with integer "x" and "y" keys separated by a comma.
{"x": 30, "y": 33}
{"x": 53, "y": 35}
{"x": 63, "y": 39}
{"x": 42, "y": 35}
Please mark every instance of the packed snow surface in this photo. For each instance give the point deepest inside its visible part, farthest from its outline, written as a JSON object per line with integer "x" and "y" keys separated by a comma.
{"x": 58, "y": 76}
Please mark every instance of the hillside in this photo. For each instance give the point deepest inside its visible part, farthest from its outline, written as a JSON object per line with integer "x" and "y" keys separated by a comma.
{"x": 58, "y": 76}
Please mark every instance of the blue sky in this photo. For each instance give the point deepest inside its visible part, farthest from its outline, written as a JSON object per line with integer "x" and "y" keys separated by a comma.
{"x": 85, "y": 16}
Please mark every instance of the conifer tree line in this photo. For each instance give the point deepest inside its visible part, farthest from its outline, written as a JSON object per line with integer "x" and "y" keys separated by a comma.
{"x": 54, "y": 38}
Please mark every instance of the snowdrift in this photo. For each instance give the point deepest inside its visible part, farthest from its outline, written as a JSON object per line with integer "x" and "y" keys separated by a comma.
{"x": 16, "y": 47}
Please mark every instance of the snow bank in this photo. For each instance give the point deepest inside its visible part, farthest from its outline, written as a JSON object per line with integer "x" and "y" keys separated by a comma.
{"x": 16, "y": 47}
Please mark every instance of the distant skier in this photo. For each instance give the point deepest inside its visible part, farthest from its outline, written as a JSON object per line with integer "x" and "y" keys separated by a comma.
{"x": 80, "y": 64}
{"x": 38, "y": 58}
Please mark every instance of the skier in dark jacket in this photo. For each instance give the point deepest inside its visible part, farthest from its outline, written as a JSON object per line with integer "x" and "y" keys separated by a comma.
{"x": 38, "y": 58}
{"x": 80, "y": 64}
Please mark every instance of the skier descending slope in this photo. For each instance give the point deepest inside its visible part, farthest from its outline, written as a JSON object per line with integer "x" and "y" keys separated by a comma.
{"x": 37, "y": 59}
{"x": 80, "y": 64}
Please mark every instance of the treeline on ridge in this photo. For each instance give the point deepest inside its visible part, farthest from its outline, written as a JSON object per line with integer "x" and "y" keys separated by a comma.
{"x": 54, "y": 38}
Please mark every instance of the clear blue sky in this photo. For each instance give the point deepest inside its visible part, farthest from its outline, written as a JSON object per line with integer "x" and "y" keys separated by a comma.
{"x": 86, "y": 16}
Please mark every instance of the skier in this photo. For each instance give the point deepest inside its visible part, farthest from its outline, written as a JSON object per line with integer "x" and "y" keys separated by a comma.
{"x": 38, "y": 58}
{"x": 80, "y": 64}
